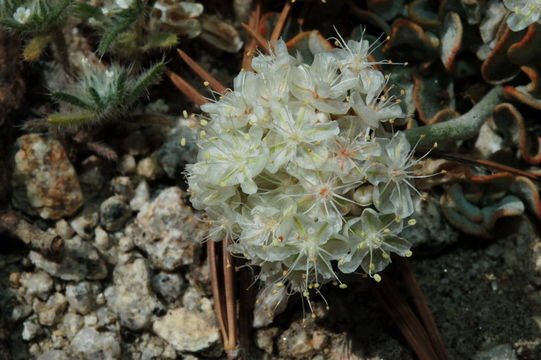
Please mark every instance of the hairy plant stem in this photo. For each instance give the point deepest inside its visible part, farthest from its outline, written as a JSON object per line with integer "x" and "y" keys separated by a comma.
{"x": 462, "y": 128}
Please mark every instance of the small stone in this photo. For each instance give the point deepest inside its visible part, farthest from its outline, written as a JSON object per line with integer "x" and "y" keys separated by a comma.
{"x": 172, "y": 157}
{"x": 265, "y": 339}
{"x": 125, "y": 244}
{"x": 127, "y": 165}
{"x": 63, "y": 229}
{"x": 142, "y": 196}
{"x": 14, "y": 279}
{"x": 37, "y": 284}
{"x": 497, "y": 352}
{"x": 114, "y": 212}
{"x": 167, "y": 232}
{"x": 79, "y": 260}
{"x": 81, "y": 296}
{"x": 71, "y": 324}
{"x": 31, "y": 328}
{"x": 91, "y": 344}
{"x": 132, "y": 298}
{"x": 44, "y": 181}
{"x": 20, "y": 312}
{"x": 122, "y": 185}
{"x": 149, "y": 168}
{"x": 169, "y": 286}
{"x": 91, "y": 320}
{"x": 296, "y": 342}
{"x": 187, "y": 330}
{"x": 101, "y": 239}
{"x": 105, "y": 316}
{"x": 92, "y": 177}
{"x": 53, "y": 355}
{"x": 85, "y": 223}
{"x": 49, "y": 313}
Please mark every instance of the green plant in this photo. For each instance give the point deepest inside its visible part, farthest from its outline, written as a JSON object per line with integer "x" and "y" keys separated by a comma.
{"x": 41, "y": 20}
{"x": 123, "y": 27}
{"x": 102, "y": 93}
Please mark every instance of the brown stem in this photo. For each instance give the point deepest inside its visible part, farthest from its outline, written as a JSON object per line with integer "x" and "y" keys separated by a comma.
{"x": 214, "y": 281}
{"x": 187, "y": 89}
{"x": 277, "y": 31}
{"x": 260, "y": 40}
{"x": 404, "y": 317}
{"x": 422, "y": 307}
{"x": 61, "y": 49}
{"x": 251, "y": 44}
{"x": 203, "y": 74}
{"x": 231, "y": 304}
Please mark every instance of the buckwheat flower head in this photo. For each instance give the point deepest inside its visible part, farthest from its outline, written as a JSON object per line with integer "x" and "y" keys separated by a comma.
{"x": 288, "y": 153}
{"x": 523, "y": 13}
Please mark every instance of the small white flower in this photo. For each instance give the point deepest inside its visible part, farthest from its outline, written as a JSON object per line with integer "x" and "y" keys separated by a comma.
{"x": 105, "y": 11}
{"x": 22, "y": 15}
{"x": 109, "y": 74}
{"x": 373, "y": 238}
{"x": 124, "y": 4}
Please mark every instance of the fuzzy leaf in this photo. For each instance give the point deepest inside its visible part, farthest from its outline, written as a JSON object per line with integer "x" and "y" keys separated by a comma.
{"x": 70, "y": 99}
{"x": 145, "y": 80}
{"x": 35, "y": 47}
{"x": 95, "y": 97}
{"x": 160, "y": 40}
{"x": 85, "y": 11}
{"x": 71, "y": 119}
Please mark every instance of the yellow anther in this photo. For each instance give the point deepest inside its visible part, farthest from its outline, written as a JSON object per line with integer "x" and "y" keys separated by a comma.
{"x": 343, "y": 286}
{"x": 185, "y": 114}
{"x": 412, "y": 222}
{"x": 206, "y": 83}
{"x": 183, "y": 141}
{"x": 377, "y": 277}
{"x": 408, "y": 253}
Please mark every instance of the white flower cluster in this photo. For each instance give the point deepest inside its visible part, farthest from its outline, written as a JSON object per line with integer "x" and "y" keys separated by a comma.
{"x": 290, "y": 152}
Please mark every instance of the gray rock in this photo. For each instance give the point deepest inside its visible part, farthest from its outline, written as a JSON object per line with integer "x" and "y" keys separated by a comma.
{"x": 92, "y": 176}
{"x": 37, "y": 284}
{"x": 71, "y": 324}
{"x": 169, "y": 286}
{"x": 114, "y": 212}
{"x": 63, "y": 229}
{"x": 90, "y": 344}
{"x": 431, "y": 228}
{"x": 105, "y": 316}
{"x": 149, "y": 168}
{"x": 132, "y": 298}
{"x": 166, "y": 231}
{"x": 82, "y": 296}
{"x": 53, "y": 355}
{"x": 172, "y": 157}
{"x": 31, "y": 328}
{"x": 497, "y": 352}
{"x": 301, "y": 342}
{"x": 127, "y": 165}
{"x": 78, "y": 260}
{"x": 187, "y": 330}
{"x": 49, "y": 313}
{"x": 44, "y": 182}
{"x": 265, "y": 339}
{"x": 122, "y": 185}
{"x": 85, "y": 223}
{"x": 101, "y": 239}
{"x": 142, "y": 195}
